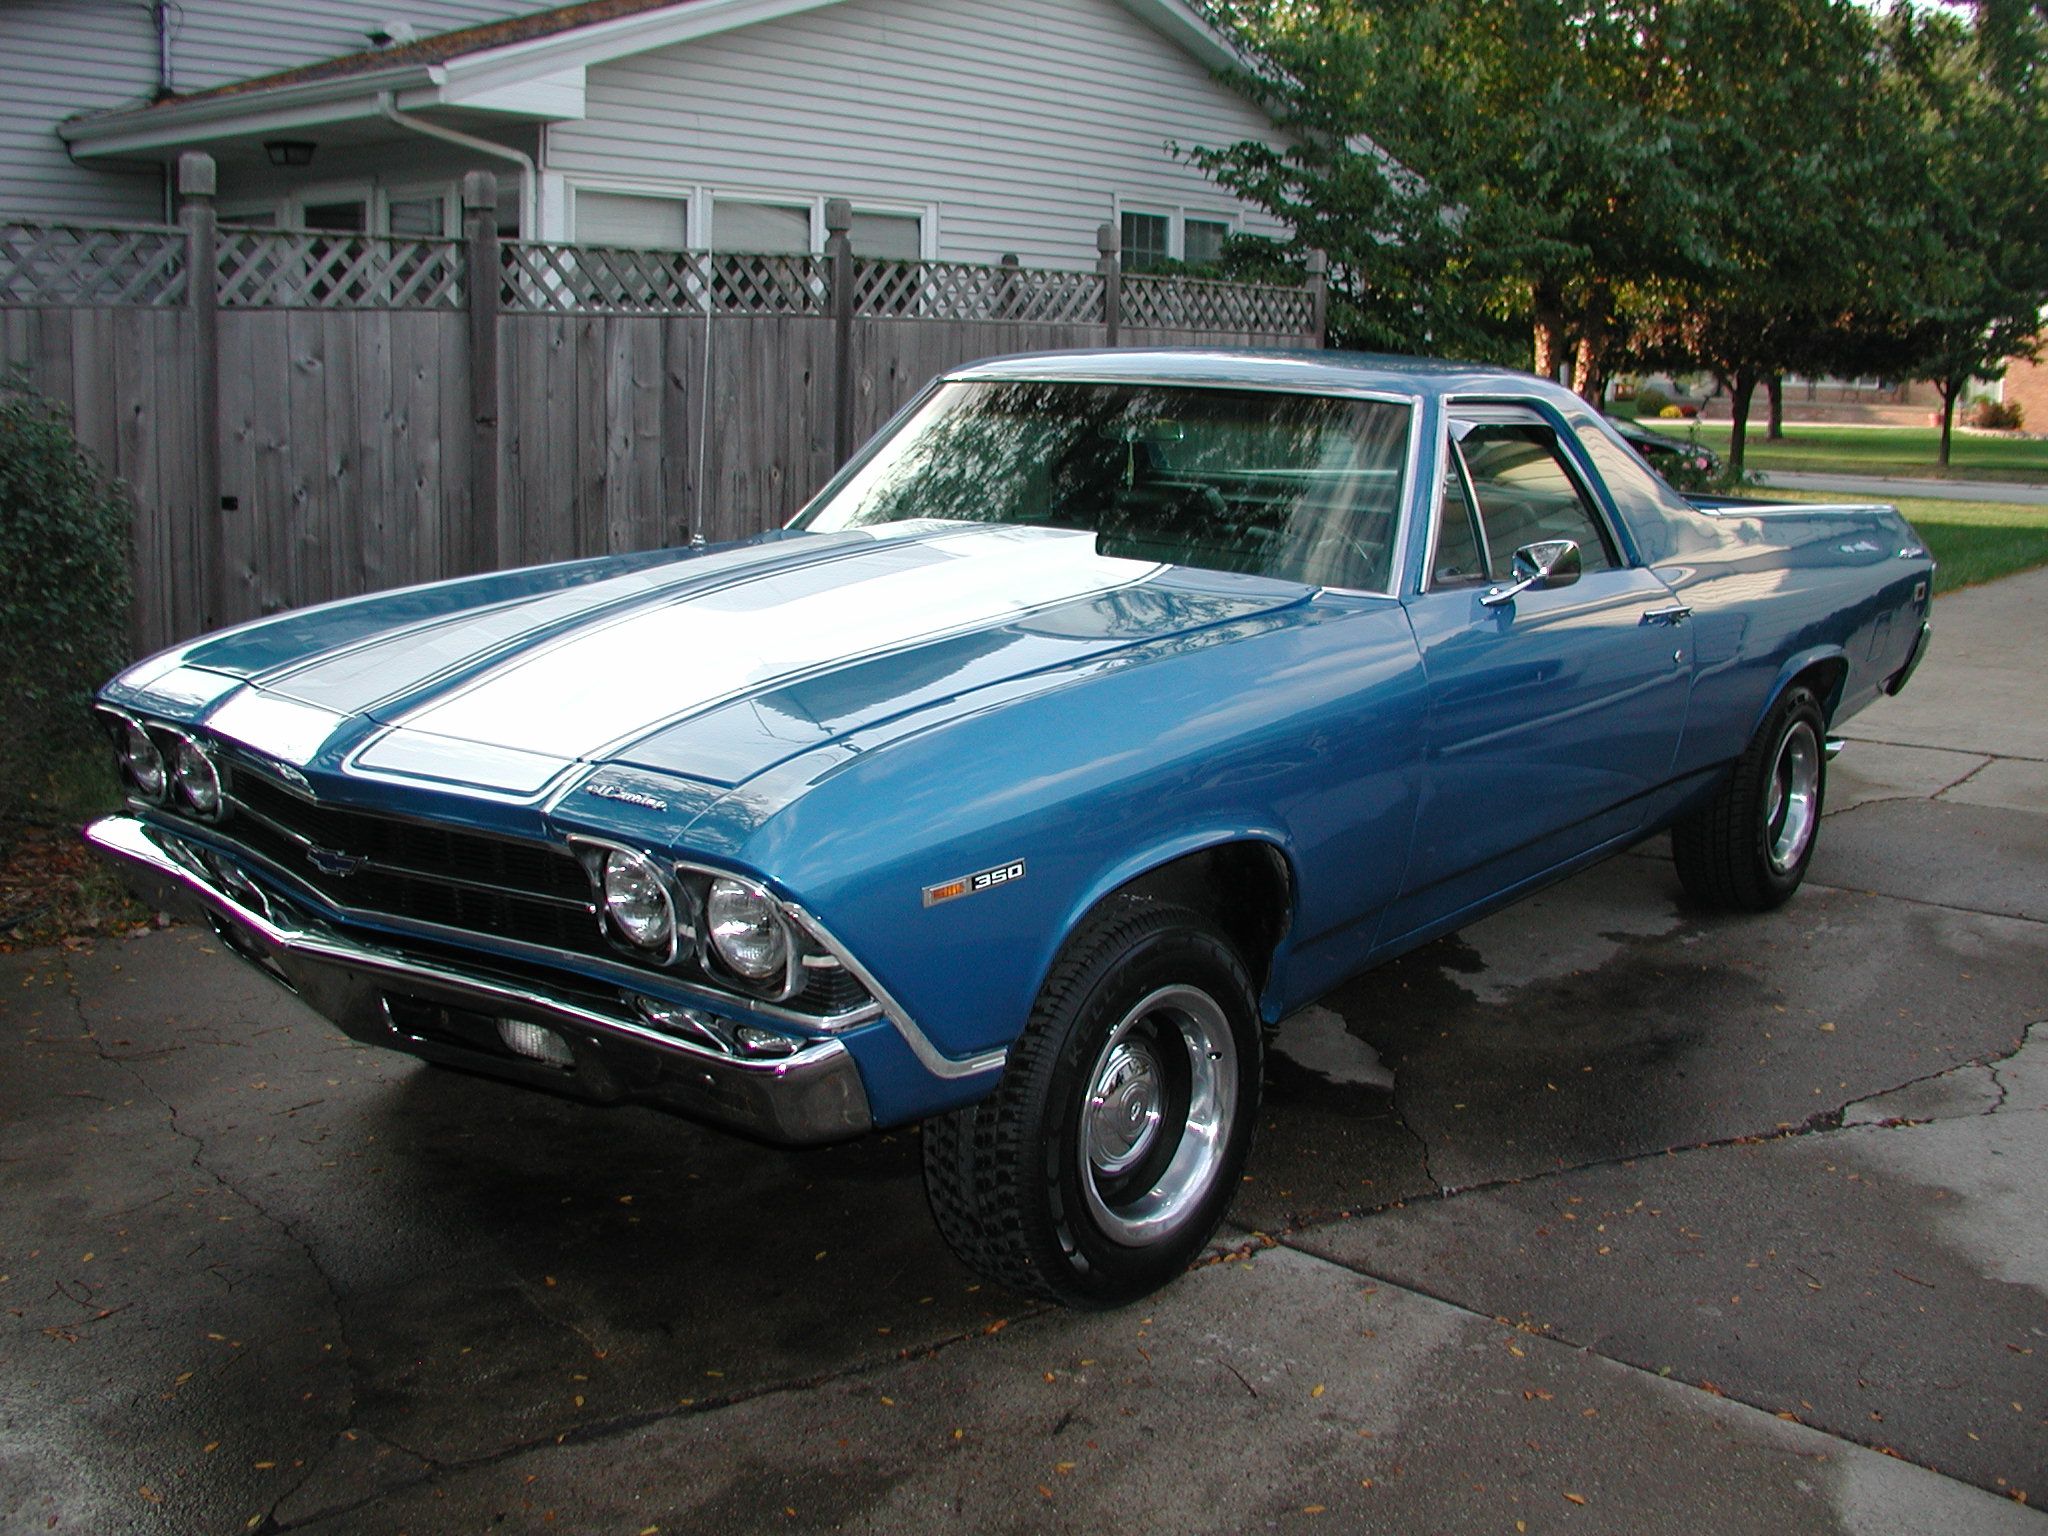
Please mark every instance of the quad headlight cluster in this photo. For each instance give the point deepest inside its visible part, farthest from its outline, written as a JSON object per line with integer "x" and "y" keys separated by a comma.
{"x": 165, "y": 766}
{"x": 670, "y": 915}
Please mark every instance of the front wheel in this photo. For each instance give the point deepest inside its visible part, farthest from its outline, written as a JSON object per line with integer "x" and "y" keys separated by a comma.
{"x": 1107, "y": 1156}
{"x": 1748, "y": 848}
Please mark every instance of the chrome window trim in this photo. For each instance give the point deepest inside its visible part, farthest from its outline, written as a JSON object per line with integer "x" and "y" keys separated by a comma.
{"x": 1544, "y": 414}
{"x": 1451, "y": 464}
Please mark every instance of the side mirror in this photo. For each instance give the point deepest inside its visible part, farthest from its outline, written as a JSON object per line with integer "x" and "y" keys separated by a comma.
{"x": 1552, "y": 563}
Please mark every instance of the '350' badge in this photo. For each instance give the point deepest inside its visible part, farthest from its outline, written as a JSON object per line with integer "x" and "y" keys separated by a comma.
{"x": 972, "y": 885}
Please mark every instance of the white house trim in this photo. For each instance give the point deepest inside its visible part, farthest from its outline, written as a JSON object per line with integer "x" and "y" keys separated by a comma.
{"x": 539, "y": 79}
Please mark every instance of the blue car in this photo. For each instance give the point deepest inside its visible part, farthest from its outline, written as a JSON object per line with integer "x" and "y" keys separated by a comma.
{"x": 1108, "y": 707}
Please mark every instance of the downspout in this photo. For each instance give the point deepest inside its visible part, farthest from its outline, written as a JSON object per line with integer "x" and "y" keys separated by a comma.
{"x": 529, "y": 175}
{"x": 160, "y": 12}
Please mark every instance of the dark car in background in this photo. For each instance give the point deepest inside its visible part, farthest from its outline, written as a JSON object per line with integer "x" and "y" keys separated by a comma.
{"x": 1683, "y": 463}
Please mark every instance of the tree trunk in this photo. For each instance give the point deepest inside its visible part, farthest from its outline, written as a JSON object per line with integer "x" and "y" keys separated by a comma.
{"x": 1740, "y": 391}
{"x": 1950, "y": 389}
{"x": 1775, "y": 384}
{"x": 1549, "y": 338}
{"x": 1589, "y": 370}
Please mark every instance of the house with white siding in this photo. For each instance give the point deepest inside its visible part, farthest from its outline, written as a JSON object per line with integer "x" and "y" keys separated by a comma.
{"x": 960, "y": 130}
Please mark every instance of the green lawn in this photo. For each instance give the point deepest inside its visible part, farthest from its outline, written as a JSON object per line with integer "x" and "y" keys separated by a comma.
{"x": 1911, "y": 451}
{"x": 1972, "y": 541}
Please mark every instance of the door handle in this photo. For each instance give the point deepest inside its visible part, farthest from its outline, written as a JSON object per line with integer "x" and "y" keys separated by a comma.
{"x": 1677, "y": 613}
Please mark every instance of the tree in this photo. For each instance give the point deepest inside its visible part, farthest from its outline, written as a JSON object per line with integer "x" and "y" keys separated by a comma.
{"x": 1473, "y": 167}
{"x": 1975, "y": 164}
{"x": 1782, "y": 97}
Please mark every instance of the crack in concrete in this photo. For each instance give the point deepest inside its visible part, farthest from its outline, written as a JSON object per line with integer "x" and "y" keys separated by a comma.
{"x": 1819, "y": 1122}
{"x": 1920, "y": 901}
{"x": 1826, "y": 1121}
{"x": 1922, "y": 746}
{"x": 1421, "y": 1145}
{"x": 128, "y": 1066}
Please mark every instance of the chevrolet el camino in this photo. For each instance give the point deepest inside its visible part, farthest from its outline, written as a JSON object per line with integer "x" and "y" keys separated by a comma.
{"x": 1104, "y": 710}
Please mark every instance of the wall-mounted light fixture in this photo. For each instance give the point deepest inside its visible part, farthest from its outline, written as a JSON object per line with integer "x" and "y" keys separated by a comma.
{"x": 289, "y": 151}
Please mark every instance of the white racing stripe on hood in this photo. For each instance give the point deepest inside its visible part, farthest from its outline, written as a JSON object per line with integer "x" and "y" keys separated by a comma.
{"x": 616, "y": 681}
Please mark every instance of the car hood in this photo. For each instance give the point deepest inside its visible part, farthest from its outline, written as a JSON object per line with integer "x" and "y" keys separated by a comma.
{"x": 712, "y": 667}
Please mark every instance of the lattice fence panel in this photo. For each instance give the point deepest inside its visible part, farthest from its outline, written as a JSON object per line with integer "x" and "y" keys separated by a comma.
{"x": 951, "y": 290}
{"x": 581, "y": 279}
{"x": 1198, "y": 304}
{"x": 63, "y": 264}
{"x": 264, "y": 269}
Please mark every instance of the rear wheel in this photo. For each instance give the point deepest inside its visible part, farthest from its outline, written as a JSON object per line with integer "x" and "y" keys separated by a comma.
{"x": 1104, "y": 1161}
{"x": 1747, "y": 849}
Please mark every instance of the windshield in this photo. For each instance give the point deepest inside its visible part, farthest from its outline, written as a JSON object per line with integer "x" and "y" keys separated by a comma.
{"x": 1306, "y": 487}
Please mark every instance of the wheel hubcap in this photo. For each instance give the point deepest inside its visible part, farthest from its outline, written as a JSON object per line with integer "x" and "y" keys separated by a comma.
{"x": 1794, "y": 797}
{"x": 1125, "y": 1107}
{"x": 1162, "y": 1097}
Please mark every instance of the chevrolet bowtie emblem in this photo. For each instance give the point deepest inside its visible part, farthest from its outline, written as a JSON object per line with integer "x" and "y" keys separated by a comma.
{"x": 332, "y": 861}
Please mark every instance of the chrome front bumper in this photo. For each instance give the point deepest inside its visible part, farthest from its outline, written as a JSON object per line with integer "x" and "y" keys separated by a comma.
{"x": 443, "y": 1012}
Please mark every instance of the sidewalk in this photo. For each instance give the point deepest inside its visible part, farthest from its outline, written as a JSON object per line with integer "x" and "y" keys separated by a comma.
{"x": 1892, "y": 487}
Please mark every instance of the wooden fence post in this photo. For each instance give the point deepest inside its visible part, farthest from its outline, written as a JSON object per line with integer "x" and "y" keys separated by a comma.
{"x": 1319, "y": 295}
{"x": 208, "y": 605}
{"x": 1110, "y": 265}
{"x": 839, "y": 252}
{"x": 480, "y": 549}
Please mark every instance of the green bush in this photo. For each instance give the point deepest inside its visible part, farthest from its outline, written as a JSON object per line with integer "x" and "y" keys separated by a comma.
{"x": 1998, "y": 415}
{"x": 1650, "y": 401}
{"x": 64, "y": 593}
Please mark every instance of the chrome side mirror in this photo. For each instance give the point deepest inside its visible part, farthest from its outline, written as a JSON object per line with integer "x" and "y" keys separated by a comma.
{"x": 1552, "y": 563}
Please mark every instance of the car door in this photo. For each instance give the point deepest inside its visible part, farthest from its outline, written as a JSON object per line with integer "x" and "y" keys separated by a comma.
{"x": 1553, "y": 713}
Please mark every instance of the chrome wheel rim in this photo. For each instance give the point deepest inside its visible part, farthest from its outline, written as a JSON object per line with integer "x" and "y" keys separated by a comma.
{"x": 1162, "y": 1097}
{"x": 1794, "y": 803}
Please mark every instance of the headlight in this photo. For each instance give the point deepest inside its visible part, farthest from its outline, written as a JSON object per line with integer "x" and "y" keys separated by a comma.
{"x": 198, "y": 780}
{"x": 637, "y": 901}
{"x": 747, "y": 930}
{"x": 141, "y": 763}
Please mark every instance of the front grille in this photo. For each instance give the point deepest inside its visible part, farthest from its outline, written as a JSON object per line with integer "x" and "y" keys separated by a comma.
{"x": 428, "y": 874}
{"x": 530, "y": 892}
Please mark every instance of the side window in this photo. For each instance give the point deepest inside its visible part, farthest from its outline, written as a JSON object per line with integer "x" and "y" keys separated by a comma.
{"x": 1457, "y": 556}
{"x": 1526, "y": 494}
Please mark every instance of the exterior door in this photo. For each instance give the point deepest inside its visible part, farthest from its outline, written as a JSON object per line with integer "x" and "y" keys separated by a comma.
{"x": 1553, "y": 714}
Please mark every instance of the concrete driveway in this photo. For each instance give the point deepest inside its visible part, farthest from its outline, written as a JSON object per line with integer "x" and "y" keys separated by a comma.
{"x": 1606, "y": 1215}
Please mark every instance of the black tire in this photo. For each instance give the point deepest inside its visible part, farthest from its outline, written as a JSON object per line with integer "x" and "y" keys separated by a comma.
{"x": 1747, "y": 849}
{"x": 1149, "y": 1004}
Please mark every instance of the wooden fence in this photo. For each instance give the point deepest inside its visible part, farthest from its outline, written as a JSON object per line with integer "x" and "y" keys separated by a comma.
{"x": 307, "y": 425}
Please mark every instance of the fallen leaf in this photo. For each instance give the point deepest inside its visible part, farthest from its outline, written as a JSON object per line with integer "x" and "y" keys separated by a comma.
{"x": 1316, "y": 1390}
{"x": 1576, "y": 1498}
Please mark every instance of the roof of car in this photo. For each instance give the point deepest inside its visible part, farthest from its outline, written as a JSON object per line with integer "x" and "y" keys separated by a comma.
{"x": 1348, "y": 372}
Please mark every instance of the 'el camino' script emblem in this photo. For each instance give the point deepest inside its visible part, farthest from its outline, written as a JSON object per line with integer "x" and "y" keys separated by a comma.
{"x": 604, "y": 789}
{"x": 332, "y": 861}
